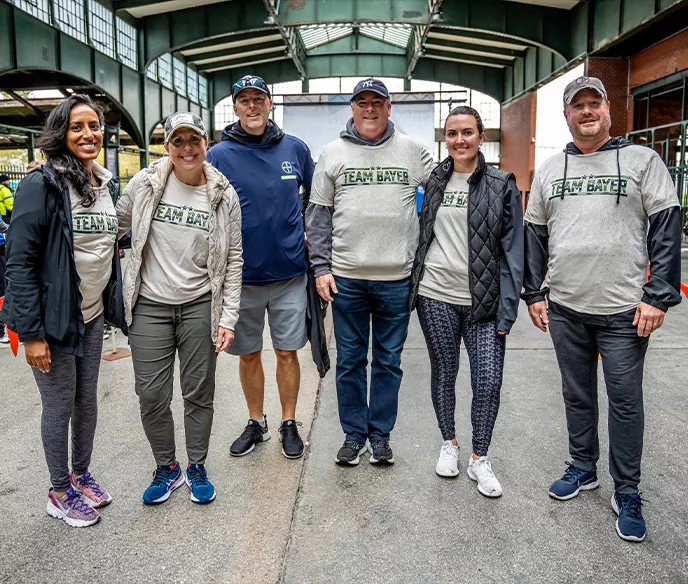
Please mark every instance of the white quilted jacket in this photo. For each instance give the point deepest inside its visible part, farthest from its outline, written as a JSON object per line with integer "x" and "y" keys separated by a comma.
{"x": 135, "y": 210}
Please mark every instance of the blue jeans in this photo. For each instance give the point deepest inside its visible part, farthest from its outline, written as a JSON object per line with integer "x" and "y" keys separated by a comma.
{"x": 353, "y": 306}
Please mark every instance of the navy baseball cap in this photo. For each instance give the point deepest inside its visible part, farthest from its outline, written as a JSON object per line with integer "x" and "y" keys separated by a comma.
{"x": 370, "y": 84}
{"x": 248, "y": 81}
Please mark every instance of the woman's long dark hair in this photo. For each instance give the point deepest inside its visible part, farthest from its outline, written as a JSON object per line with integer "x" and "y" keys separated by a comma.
{"x": 53, "y": 144}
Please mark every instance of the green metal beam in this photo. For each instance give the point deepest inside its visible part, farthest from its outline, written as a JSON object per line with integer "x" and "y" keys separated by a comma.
{"x": 173, "y": 31}
{"x": 356, "y": 66}
{"x": 420, "y": 35}
{"x": 292, "y": 39}
{"x": 353, "y": 44}
{"x": 533, "y": 24}
{"x": 332, "y": 11}
{"x": 506, "y": 55}
{"x": 468, "y": 59}
{"x": 124, "y": 4}
{"x": 211, "y": 59}
{"x": 484, "y": 79}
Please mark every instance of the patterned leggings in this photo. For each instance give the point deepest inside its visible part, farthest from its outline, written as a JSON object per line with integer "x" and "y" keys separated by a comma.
{"x": 444, "y": 325}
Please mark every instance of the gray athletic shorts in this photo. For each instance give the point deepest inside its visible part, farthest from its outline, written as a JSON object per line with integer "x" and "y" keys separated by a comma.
{"x": 285, "y": 302}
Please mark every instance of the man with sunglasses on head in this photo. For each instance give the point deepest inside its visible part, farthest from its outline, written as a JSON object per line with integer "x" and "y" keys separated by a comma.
{"x": 267, "y": 168}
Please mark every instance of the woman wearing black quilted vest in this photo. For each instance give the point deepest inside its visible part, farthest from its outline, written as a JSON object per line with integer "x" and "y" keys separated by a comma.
{"x": 466, "y": 282}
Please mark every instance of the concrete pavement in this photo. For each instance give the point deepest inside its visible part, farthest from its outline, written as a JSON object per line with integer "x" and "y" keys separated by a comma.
{"x": 310, "y": 521}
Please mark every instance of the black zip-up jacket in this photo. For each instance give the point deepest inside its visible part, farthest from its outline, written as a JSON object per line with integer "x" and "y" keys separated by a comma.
{"x": 495, "y": 240}
{"x": 662, "y": 289}
{"x": 42, "y": 300}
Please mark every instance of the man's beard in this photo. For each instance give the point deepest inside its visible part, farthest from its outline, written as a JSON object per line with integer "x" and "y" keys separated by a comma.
{"x": 602, "y": 128}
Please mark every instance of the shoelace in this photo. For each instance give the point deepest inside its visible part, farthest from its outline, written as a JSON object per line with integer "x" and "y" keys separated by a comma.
{"x": 483, "y": 466}
{"x": 632, "y": 504}
{"x": 380, "y": 444}
{"x": 74, "y": 500}
{"x": 87, "y": 481}
{"x": 290, "y": 427}
{"x": 353, "y": 445}
{"x": 197, "y": 475}
{"x": 161, "y": 475}
{"x": 251, "y": 428}
{"x": 448, "y": 451}
{"x": 572, "y": 473}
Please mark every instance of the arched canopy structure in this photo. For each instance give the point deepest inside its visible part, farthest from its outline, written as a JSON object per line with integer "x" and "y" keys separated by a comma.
{"x": 152, "y": 57}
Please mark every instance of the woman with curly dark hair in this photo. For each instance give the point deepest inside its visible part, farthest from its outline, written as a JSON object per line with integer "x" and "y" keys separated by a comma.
{"x": 63, "y": 281}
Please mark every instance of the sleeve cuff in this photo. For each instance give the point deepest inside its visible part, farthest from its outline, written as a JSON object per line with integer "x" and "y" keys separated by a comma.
{"x": 533, "y": 297}
{"x": 322, "y": 271}
{"x": 656, "y": 303}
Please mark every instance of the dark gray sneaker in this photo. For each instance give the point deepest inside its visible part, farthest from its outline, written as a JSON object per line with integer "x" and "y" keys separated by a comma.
{"x": 380, "y": 452}
{"x": 349, "y": 453}
{"x": 292, "y": 445}
{"x": 253, "y": 434}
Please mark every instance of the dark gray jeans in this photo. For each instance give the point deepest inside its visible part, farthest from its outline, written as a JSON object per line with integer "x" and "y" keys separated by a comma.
{"x": 69, "y": 393}
{"x": 157, "y": 333}
{"x": 578, "y": 338}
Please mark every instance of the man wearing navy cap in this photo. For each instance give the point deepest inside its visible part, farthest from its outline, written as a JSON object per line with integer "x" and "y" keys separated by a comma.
{"x": 267, "y": 168}
{"x": 362, "y": 235}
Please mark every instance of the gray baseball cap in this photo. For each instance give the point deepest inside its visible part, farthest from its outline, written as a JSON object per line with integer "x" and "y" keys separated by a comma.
{"x": 184, "y": 120}
{"x": 583, "y": 83}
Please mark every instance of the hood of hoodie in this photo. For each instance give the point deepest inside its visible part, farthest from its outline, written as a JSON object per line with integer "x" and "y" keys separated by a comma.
{"x": 612, "y": 144}
{"x": 351, "y": 134}
{"x": 236, "y": 133}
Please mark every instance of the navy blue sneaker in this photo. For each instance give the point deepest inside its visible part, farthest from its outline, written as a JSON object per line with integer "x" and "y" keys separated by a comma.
{"x": 573, "y": 481}
{"x": 629, "y": 507}
{"x": 165, "y": 480}
{"x": 202, "y": 490}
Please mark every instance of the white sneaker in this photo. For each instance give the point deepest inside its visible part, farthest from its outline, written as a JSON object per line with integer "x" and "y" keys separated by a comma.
{"x": 448, "y": 462}
{"x": 481, "y": 471}
{"x": 4, "y": 339}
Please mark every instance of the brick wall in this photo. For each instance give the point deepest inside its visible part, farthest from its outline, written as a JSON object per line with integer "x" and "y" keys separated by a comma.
{"x": 613, "y": 72}
{"x": 660, "y": 60}
{"x": 518, "y": 133}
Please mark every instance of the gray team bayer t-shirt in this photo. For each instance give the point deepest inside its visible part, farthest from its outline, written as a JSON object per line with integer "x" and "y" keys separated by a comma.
{"x": 597, "y": 248}
{"x": 445, "y": 276}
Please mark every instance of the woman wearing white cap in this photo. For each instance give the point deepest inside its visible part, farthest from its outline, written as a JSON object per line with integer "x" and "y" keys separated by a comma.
{"x": 181, "y": 295}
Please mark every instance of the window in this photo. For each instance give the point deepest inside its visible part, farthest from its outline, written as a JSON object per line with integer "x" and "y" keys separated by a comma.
{"x": 203, "y": 90}
{"x": 179, "y": 76}
{"x": 38, "y": 8}
{"x": 192, "y": 84}
{"x": 69, "y": 17}
{"x": 100, "y": 28}
{"x": 165, "y": 71}
{"x": 126, "y": 44}
{"x": 152, "y": 71}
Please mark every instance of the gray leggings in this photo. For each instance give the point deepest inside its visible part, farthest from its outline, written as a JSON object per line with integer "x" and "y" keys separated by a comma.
{"x": 69, "y": 392}
{"x": 157, "y": 333}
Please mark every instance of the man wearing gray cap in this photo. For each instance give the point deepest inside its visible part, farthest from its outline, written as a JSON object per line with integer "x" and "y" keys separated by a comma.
{"x": 598, "y": 214}
{"x": 362, "y": 232}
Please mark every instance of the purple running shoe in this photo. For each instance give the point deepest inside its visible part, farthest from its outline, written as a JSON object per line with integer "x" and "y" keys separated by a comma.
{"x": 95, "y": 495}
{"x": 72, "y": 509}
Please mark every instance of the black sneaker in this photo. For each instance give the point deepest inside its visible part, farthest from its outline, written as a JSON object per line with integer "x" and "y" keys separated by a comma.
{"x": 381, "y": 452}
{"x": 349, "y": 453}
{"x": 253, "y": 434}
{"x": 292, "y": 445}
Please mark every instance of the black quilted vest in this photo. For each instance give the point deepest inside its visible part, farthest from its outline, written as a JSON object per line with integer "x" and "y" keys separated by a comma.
{"x": 487, "y": 186}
